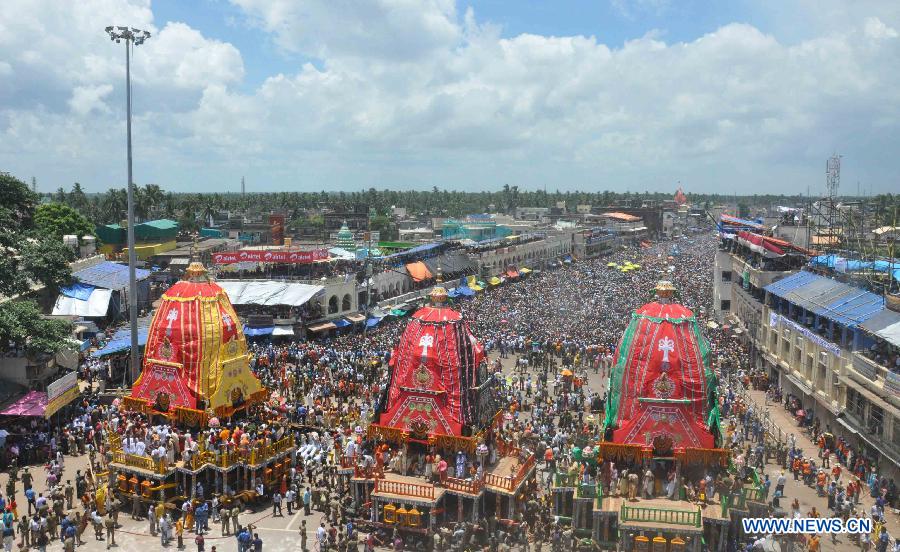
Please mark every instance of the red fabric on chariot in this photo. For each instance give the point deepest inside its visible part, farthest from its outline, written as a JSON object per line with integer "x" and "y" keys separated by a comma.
{"x": 195, "y": 347}
{"x": 436, "y": 360}
{"x": 659, "y": 381}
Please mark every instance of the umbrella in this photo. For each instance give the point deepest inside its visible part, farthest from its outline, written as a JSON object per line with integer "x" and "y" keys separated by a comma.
{"x": 504, "y": 321}
{"x": 566, "y": 373}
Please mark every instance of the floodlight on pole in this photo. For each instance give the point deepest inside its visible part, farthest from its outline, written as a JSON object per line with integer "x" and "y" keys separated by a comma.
{"x": 132, "y": 37}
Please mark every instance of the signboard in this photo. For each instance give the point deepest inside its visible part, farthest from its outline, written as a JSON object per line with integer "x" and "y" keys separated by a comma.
{"x": 61, "y": 392}
{"x": 262, "y": 256}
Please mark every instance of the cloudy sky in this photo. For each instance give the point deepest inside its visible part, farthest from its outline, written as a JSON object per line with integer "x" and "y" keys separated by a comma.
{"x": 736, "y": 96}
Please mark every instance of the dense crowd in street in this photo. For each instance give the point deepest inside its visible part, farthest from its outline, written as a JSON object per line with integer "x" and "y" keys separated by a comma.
{"x": 322, "y": 392}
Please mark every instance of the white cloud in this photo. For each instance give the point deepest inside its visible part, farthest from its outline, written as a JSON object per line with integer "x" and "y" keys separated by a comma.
{"x": 875, "y": 28}
{"x": 389, "y": 29}
{"x": 86, "y": 99}
{"x": 413, "y": 93}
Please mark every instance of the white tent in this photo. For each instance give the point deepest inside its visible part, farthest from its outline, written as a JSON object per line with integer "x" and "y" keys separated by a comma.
{"x": 268, "y": 292}
{"x": 96, "y": 306}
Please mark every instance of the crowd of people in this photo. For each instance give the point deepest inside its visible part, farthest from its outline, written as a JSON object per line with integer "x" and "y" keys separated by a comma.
{"x": 552, "y": 338}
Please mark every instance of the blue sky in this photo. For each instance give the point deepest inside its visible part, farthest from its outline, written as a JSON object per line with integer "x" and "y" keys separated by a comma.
{"x": 350, "y": 94}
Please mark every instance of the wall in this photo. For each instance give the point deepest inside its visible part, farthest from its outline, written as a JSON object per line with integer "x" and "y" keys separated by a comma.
{"x": 532, "y": 254}
{"x": 339, "y": 287}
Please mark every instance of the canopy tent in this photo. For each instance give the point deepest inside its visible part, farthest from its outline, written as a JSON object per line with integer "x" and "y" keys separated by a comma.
{"x": 342, "y": 323}
{"x": 372, "y": 322}
{"x": 836, "y": 301}
{"x": 495, "y": 281}
{"x": 108, "y": 275}
{"x": 418, "y": 271}
{"x": 512, "y": 273}
{"x": 473, "y": 284}
{"x": 256, "y": 332}
{"x": 759, "y": 244}
{"x": 355, "y": 318}
{"x": 280, "y": 331}
{"x": 323, "y": 327}
{"x": 33, "y": 404}
{"x": 524, "y": 270}
{"x": 95, "y": 305}
{"x": 121, "y": 340}
{"x": 398, "y": 312}
{"x": 268, "y": 292}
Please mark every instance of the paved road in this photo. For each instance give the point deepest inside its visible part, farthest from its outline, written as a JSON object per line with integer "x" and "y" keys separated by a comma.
{"x": 796, "y": 489}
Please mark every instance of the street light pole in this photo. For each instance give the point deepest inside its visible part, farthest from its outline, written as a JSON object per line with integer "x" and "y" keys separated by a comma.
{"x": 132, "y": 37}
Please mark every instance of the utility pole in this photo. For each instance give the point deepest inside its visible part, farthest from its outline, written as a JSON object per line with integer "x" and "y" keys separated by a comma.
{"x": 132, "y": 37}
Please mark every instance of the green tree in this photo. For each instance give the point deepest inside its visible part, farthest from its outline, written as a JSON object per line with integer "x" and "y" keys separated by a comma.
{"x": 57, "y": 220}
{"x": 22, "y": 326}
{"x": 29, "y": 256}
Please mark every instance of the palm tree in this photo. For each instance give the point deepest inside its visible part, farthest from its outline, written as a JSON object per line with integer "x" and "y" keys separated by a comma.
{"x": 154, "y": 196}
{"x": 113, "y": 204}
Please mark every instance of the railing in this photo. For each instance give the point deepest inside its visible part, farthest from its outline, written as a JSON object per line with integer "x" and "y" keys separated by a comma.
{"x": 470, "y": 486}
{"x": 884, "y": 379}
{"x": 115, "y": 441}
{"x": 565, "y": 479}
{"x": 660, "y": 515}
{"x": 416, "y": 490}
{"x": 142, "y": 462}
{"x": 511, "y": 482}
{"x": 586, "y": 490}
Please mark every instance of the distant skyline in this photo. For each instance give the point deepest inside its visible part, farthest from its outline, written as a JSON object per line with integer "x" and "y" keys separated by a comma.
{"x": 624, "y": 95}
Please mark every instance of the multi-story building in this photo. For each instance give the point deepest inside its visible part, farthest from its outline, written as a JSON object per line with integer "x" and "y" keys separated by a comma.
{"x": 531, "y": 251}
{"x": 831, "y": 344}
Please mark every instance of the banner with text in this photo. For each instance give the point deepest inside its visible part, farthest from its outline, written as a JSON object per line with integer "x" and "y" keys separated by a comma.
{"x": 263, "y": 256}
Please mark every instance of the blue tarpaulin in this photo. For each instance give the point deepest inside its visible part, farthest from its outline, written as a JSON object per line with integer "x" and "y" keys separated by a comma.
{"x": 372, "y": 322}
{"x": 833, "y": 300}
{"x": 341, "y": 323}
{"x": 108, "y": 275}
{"x": 841, "y": 264}
{"x": 254, "y": 332}
{"x": 82, "y": 292}
{"x": 121, "y": 340}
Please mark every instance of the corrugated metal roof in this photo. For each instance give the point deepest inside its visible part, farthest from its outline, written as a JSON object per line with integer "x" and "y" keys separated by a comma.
{"x": 885, "y": 325}
{"x": 793, "y": 281}
{"x": 836, "y": 301}
{"x": 109, "y": 275}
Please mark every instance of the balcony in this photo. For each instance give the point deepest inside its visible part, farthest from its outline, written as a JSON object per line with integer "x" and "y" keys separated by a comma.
{"x": 874, "y": 376}
{"x": 758, "y": 278}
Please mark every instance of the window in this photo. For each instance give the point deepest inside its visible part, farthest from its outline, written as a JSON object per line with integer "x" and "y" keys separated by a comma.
{"x": 856, "y": 405}
{"x": 333, "y": 305}
{"x": 726, "y": 275}
{"x": 725, "y": 305}
{"x": 345, "y": 304}
{"x": 875, "y": 425}
{"x": 896, "y": 433}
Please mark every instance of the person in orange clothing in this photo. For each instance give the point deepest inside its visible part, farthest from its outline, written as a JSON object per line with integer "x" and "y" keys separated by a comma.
{"x": 796, "y": 468}
{"x": 820, "y": 482}
{"x": 813, "y": 544}
{"x": 836, "y": 472}
{"x": 807, "y": 472}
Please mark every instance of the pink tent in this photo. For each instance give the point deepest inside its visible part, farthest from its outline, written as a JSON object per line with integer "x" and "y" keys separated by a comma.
{"x": 32, "y": 404}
